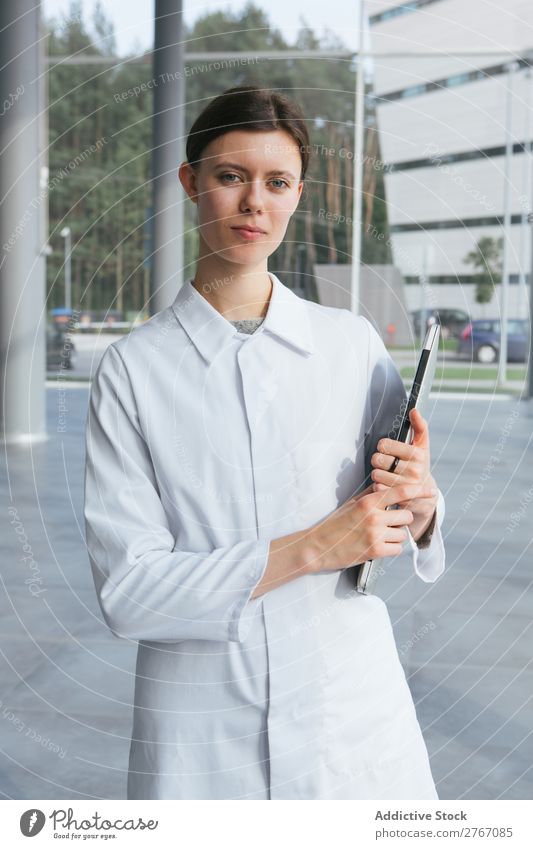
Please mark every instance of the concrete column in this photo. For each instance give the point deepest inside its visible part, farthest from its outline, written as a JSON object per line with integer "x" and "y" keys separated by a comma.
{"x": 168, "y": 127}
{"x": 22, "y": 269}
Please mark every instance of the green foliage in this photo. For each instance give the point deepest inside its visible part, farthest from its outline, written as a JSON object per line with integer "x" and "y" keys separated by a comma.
{"x": 487, "y": 259}
{"x": 99, "y": 160}
{"x": 100, "y": 152}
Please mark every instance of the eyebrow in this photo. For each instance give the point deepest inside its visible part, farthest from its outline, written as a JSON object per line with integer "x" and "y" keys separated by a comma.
{"x": 236, "y": 165}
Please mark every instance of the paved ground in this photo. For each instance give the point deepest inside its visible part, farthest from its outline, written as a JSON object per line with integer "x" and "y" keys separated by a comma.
{"x": 67, "y": 683}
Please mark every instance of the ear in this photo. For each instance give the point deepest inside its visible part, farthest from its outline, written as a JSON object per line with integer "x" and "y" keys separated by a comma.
{"x": 188, "y": 179}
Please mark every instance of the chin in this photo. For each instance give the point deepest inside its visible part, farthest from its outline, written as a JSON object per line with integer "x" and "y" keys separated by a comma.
{"x": 245, "y": 253}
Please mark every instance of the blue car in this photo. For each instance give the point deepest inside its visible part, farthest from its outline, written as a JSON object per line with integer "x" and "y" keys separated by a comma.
{"x": 480, "y": 340}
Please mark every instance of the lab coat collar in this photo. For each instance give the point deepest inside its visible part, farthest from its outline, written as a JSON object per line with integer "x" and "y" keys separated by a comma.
{"x": 287, "y": 318}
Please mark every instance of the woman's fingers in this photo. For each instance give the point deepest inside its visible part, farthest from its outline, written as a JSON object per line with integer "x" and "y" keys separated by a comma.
{"x": 420, "y": 429}
{"x": 391, "y": 549}
{"x": 398, "y": 518}
{"x": 404, "y": 450}
{"x": 385, "y": 461}
{"x": 395, "y": 535}
{"x": 395, "y": 478}
{"x": 398, "y": 494}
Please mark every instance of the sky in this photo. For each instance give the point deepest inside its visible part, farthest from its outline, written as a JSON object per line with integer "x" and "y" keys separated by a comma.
{"x": 133, "y": 19}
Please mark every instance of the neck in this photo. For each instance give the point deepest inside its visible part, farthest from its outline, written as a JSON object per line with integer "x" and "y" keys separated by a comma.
{"x": 235, "y": 291}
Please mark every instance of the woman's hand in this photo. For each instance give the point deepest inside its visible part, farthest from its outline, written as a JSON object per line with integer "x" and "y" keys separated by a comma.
{"x": 362, "y": 528}
{"x": 413, "y": 468}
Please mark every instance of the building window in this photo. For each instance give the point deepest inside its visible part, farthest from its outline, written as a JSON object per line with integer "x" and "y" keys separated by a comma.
{"x": 402, "y": 9}
{"x": 453, "y": 224}
{"x": 449, "y": 82}
{"x": 445, "y": 159}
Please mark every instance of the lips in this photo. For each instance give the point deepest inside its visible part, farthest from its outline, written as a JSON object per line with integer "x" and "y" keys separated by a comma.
{"x": 249, "y": 229}
{"x": 247, "y": 234}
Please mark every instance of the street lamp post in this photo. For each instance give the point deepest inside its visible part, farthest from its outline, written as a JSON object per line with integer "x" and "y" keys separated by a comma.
{"x": 504, "y": 286}
{"x": 529, "y": 384}
{"x": 66, "y": 234}
{"x": 357, "y": 216}
{"x": 528, "y": 156}
{"x": 529, "y": 220}
{"x": 427, "y": 257}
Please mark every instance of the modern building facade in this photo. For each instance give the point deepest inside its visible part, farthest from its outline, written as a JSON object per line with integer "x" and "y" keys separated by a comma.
{"x": 442, "y": 118}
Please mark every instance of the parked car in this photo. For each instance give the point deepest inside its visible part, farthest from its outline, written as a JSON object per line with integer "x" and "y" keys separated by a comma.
{"x": 452, "y": 322}
{"x": 87, "y": 317}
{"x": 110, "y": 316}
{"x": 60, "y": 349}
{"x": 480, "y": 340}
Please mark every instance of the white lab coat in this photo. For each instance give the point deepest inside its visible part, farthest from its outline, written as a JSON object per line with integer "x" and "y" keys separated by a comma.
{"x": 203, "y": 444}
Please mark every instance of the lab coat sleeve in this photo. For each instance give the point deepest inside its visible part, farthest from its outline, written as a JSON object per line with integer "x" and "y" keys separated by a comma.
{"x": 429, "y": 562}
{"x": 386, "y": 402}
{"x": 148, "y": 590}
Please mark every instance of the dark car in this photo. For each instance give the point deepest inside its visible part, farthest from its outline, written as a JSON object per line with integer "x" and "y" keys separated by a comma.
{"x": 60, "y": 349}
{"x": 480, "y": 340}
{"x": 452, "y": 322}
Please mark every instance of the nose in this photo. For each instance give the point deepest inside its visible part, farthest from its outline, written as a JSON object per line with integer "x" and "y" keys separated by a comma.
{"x": 252, "y": 196}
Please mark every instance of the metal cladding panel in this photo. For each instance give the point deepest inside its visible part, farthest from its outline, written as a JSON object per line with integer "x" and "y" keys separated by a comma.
{"x": 449, "y": 26}
{"x": 458, "y": 190}
{"x": 452, "y": 120}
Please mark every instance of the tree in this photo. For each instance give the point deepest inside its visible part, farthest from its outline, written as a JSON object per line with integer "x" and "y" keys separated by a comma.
{"x": 104, "y": 194}
{"x": 99, "y": 160}
{"x": 486, "y": 258}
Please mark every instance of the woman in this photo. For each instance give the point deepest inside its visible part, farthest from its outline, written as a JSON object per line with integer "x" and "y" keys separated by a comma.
{"x": 232, "y": 479}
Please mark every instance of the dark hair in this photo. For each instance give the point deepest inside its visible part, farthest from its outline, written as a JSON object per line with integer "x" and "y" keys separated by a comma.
{"x": 248, "y": 108}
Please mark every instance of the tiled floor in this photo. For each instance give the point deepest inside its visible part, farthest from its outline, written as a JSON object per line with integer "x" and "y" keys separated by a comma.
{"x": 465, "y": 641}
{"x": 67, "y": 683}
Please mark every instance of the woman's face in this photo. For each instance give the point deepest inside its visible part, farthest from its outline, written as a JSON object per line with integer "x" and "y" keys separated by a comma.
{"x": 245, "y": 179}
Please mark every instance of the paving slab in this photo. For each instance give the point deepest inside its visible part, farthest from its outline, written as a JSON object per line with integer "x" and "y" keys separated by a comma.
{"x": 464, "y": 641}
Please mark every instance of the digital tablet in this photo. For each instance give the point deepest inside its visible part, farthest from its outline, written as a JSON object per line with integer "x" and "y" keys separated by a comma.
{"x": 368, "y": 572}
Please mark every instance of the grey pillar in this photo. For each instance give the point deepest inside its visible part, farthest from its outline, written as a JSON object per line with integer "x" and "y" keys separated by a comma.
{"x": 529, "y": 384}
{"x": 22, "y": 273}
{"x": 168, "y": 123}
{"x": 529, "y": 381}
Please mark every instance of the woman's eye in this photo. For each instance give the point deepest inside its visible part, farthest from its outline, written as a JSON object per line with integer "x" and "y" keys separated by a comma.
{"x": 227, "y": 178}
